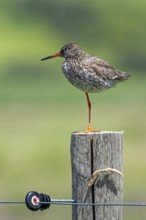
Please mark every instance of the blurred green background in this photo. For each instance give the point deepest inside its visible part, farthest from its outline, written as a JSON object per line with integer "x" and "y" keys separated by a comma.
{"x": 39, "y": 109}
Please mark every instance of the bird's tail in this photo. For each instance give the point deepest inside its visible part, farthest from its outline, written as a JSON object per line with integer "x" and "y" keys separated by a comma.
{"x": 122, "y": 76}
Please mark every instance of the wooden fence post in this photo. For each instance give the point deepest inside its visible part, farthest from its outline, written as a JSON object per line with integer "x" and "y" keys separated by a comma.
{"x": 90, "y": 152}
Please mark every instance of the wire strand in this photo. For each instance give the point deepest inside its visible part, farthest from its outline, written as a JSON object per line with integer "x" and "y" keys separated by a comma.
{"x": 12, "y": 202}
{"x": 94, "y": 204}
{"x": 61, "y": 202}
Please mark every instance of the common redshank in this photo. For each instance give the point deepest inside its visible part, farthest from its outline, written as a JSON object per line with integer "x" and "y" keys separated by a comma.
{"x": 88, "y": 73}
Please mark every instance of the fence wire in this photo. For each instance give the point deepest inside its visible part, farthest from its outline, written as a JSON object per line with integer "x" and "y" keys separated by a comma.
{"x": 61, "y": 202}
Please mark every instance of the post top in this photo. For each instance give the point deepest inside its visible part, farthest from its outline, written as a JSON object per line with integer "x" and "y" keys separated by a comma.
{"x": 97, "y": 132}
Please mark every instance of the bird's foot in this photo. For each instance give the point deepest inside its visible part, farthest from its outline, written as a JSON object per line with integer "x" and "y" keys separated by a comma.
{"x": 89, "y": 129}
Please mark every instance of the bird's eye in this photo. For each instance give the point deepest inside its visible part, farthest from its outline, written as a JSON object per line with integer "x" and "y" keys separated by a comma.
{"x": 65, "y": 49}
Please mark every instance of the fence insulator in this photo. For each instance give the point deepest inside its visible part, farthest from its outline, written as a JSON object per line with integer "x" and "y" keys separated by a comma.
{"x": 33, "y": 201}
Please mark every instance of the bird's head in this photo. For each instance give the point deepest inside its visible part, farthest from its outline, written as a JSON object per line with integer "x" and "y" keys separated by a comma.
{"x": 70, "y": 50}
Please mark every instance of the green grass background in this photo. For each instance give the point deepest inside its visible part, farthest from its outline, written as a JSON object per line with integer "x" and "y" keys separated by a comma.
{"x": 39, "y": 109}
{"x": 35, "y": 140}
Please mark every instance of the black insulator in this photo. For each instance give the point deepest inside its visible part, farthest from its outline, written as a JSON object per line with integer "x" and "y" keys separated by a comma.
{"x": 33, "y": 201}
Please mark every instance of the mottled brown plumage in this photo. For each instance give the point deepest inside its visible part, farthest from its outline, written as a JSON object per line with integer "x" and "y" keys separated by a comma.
{"x": 88, "y": 73}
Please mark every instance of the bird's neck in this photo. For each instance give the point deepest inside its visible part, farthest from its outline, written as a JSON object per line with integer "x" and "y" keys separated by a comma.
{"x": 75, "y": 58}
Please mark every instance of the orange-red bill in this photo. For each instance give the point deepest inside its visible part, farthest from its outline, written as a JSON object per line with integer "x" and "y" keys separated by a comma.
{"x": 52, "y": 56}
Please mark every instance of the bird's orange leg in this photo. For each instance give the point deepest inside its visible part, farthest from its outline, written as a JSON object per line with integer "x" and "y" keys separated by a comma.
{"x": 89, "y": 129}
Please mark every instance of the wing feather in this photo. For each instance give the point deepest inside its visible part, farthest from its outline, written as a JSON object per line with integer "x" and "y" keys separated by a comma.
{"x": 104, "y": 70}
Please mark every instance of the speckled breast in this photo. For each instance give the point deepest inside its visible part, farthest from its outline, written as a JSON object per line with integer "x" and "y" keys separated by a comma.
{"x": 84, "y": 79}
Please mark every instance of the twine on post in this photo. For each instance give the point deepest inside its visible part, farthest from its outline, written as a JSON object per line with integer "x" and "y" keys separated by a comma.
{"x": 102, "y": 171}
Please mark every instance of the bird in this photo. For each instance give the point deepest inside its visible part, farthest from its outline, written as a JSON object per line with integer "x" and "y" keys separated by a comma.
{"x": 88, "y": 73}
